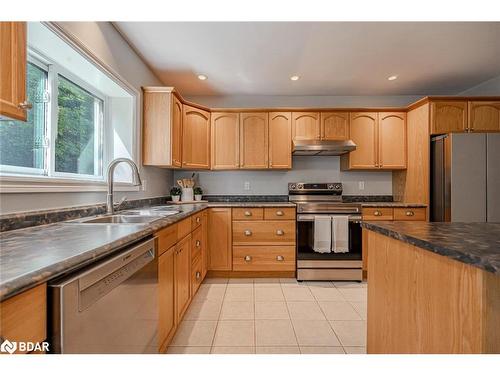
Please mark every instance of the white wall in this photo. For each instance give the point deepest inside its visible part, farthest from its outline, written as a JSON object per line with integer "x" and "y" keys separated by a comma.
{"x": 108, "y": 46}
{"x": 267, "y": 101}
{"x": 490, "y": 87}
{"x": 305, "y": 168}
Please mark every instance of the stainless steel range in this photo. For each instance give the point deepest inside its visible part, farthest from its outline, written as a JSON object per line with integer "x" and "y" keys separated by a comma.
{"x": 317, "y": 201}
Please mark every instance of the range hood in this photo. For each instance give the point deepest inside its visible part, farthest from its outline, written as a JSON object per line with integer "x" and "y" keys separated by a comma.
{"x": 319, "y": 147}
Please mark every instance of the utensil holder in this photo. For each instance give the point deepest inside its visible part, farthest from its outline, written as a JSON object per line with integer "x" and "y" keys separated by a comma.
{"x": 187, "y": 195}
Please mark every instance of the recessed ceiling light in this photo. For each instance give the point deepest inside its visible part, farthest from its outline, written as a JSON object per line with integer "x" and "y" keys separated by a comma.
{"x": 392, "y": 78}
{"x": 202, "y": 77}
{"x": 294, "y": 78}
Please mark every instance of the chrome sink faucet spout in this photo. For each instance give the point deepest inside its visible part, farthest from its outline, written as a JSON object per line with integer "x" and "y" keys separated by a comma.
{"x": 110, "y": 208}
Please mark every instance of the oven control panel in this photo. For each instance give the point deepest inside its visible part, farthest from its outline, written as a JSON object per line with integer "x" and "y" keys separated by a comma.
{"x": 321, "y": 187}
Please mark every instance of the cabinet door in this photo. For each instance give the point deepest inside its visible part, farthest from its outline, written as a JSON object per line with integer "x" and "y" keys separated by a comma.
{"x": 219, "y": 239}
{"x": 448, "y": 117}
{"x": 484, "y": 116}
{"x": 183, "y": 276}
{"x": 176, "y": 132}
{"x": 13, "y": 70}
{"x": 305, "y": 125}
{"x": 392, "y": 140}
{"x": 280, "y": 140}
{"x": 195, "y": 138}
{"x": 335, "y": 126}
{"x": 166, "y": 297}
{"x": 363, "y": 132}
{"x": 225, "y": 140}
{"x": 204, "y": 245}
{"x": 254, "y": 131}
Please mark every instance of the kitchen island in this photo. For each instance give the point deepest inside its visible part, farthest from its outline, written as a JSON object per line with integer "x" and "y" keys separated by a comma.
{"x": 433, "y": 287}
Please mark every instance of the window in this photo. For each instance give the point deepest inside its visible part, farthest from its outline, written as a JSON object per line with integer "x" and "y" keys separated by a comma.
{"x": 22, "y": 144}
{"x": 83, "y": 116}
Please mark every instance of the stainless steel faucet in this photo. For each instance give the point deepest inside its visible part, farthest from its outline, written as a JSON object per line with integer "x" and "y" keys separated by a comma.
{"x": 110, "y": 208}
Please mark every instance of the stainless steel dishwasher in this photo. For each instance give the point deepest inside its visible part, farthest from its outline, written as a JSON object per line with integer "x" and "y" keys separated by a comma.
{"x": 109, "y": 307}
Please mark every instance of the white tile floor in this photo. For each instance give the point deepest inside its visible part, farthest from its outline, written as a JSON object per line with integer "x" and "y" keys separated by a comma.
{"x": 274, "y": 316}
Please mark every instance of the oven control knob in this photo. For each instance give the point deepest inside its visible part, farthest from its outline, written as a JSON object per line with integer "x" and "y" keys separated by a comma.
{"x": 292, "y": 186}
{"x": 330, "y": 186}
{"x": 300, "y": 186}
{"x": 338, "y": 186}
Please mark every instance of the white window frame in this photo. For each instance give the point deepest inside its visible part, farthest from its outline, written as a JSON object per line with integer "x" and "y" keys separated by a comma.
{"x": 31, "y": 183}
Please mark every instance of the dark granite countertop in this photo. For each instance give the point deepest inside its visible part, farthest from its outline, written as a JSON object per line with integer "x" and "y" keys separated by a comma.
{"x": 477, "y": 244}
{"x": 393, "y": 204}
{"x": 34, "y": 255}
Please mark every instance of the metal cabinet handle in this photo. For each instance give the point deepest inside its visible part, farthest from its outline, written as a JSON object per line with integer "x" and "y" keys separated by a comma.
{"x": 25, "y": 105}
{"x": 377, "y": 213}
{"x": 198, "y": 275}
{"x": 248, "y": 258}
{"x": 279, "y": 213}
{"x": 198, "y": 243}
{"x": 410, "y": 213}
{"x": 248, "y": 232}
{"x": 248, "y": 213}
{"x": 280, "y": 258}
{"x": 198, "y": 219}
{"x": 280, "y": 232}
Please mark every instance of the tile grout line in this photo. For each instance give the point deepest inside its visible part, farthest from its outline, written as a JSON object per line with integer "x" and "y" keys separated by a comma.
{"x": 290, "y": 318}
{"x": 218, "y": 318}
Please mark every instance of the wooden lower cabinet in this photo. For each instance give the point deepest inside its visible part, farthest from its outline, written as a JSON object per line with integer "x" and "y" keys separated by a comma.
{"x": 23, "y": 318}
{"x": 219, "y": 239}
{"x": 270, "y": 232}
{"x": 182, "y": 276}
{"x": 204, "y": 245}
{"x": 167, "y": 322}
{"x": 263, "y": 258}
{"x": 196, "y": 275}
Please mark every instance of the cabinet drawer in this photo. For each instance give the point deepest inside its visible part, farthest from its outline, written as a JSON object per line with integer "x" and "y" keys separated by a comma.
{"x": 196, "y": 276}
{"x": 196, "y": 243}
{"x": 24, "y": 316}
{"x": 410, "y": 214}
{"x": 380, "y": 213}
{"x": 183, "y": 228}
{"x": 248, "y": 213}
{"x": 167, "y": 237}
{"x": 263, "y": 258}
{"x": 270, "y": 232}
{"x": 279, "y": 213}
{"x": 196, "y": 220}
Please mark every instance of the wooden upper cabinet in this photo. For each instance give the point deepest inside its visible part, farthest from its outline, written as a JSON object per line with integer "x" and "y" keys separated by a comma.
{"x": 220, "y": 256}
{"x": 484, "y": 116}
{"x": 392, "y": 140}
{"x": 162, "y": 128}
{"x": 305, "y": 125}
{"x": 254, "y": 140}
{"x": 363, "y": 132}
{"x": 448, "y": 116}
{"x": 195, "y": 138}
{"x": 225, "y": 141}
{"x": 13, "y": 101}
{"x": 280, "y": 140}
{"x": 335, "y": 126}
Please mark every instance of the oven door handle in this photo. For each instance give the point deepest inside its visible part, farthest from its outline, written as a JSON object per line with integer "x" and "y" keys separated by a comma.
{"x": 353, "y": 218}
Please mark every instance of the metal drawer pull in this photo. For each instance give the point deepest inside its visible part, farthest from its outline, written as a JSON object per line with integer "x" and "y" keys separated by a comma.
{"x": 248, "y": 258}
{"x": 198, "y": 243}
{"x": 279, "y": 213}
{"x": 248, "y": 232}
{"x": 198, "y": 219}
{"x": 280, "y": 232}
{"x": 280, "y": 258}
{"x": 248, "y": 213}
{"x": 410, "y": 213}
{"x": 198, "y": 275}
{"x": 25, "y": 105}
{"x": 377, "y": 213}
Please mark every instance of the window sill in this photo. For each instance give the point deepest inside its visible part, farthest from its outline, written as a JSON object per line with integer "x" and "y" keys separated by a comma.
{"x": 24, "y": 184}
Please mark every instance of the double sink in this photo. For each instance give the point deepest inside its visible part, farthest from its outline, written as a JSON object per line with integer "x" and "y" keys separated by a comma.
{"x": 139, "y": 216}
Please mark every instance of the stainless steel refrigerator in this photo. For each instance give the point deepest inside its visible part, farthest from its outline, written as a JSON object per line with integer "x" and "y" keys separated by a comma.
{"x": 465, "y": 177}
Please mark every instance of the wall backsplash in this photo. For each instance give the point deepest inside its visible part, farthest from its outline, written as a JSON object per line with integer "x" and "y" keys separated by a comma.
{"x": 305, "y": 168}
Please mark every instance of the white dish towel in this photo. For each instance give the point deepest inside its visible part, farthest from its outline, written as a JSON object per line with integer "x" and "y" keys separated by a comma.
{"x": 340, "y": 234}
{"x": 322, "y": 234}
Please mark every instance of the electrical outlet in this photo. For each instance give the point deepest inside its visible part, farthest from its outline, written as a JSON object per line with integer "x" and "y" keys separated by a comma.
{"x": 246, "y": 185}
{"x": 361, "y": 185}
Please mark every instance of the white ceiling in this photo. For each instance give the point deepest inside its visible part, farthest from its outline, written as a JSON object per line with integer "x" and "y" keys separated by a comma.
{"x": 331, "y": 58}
